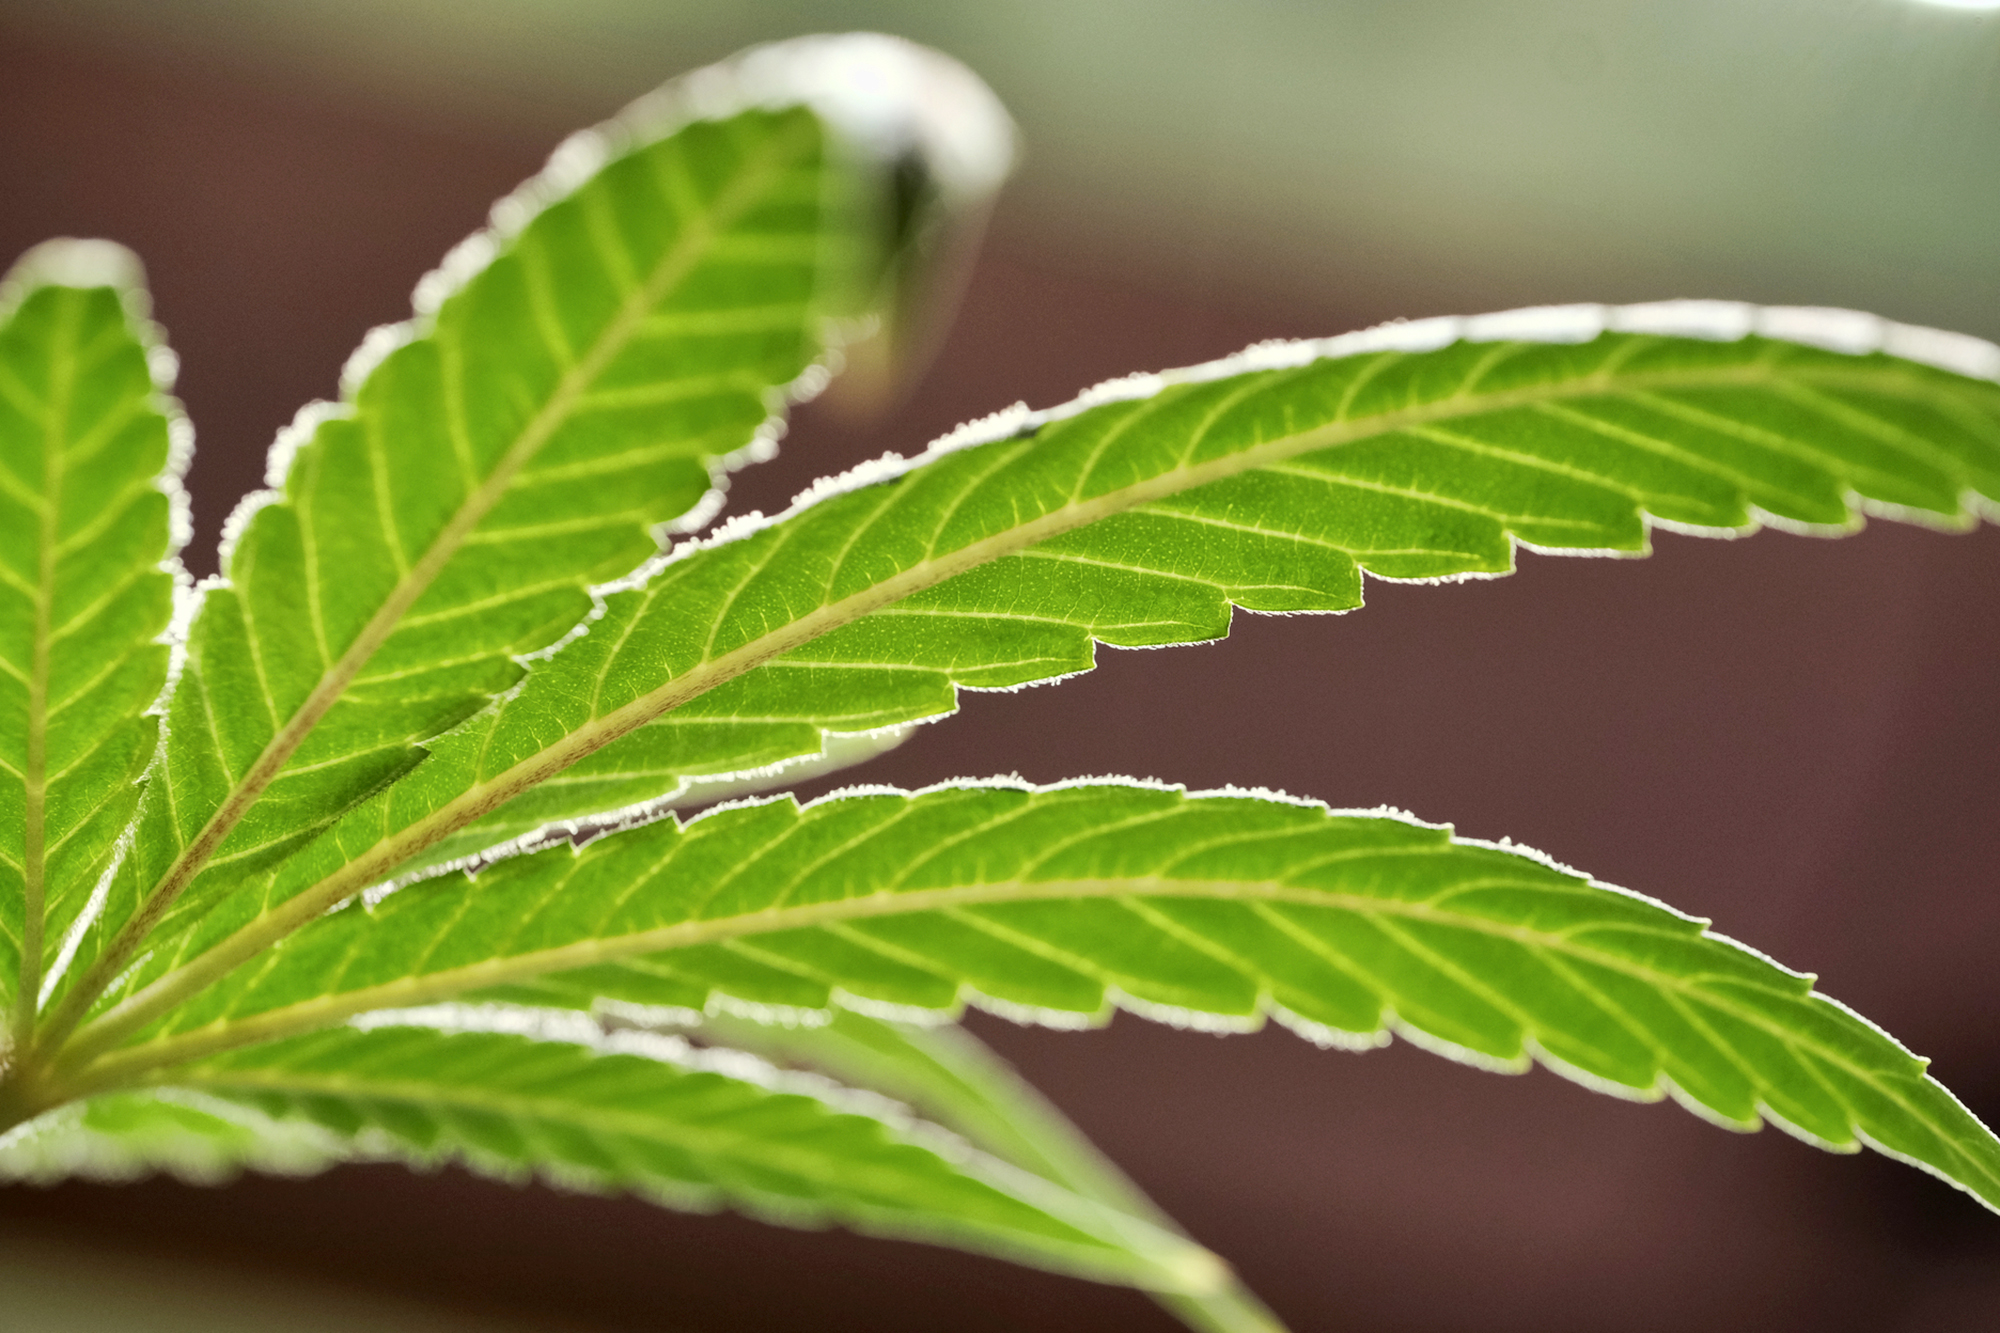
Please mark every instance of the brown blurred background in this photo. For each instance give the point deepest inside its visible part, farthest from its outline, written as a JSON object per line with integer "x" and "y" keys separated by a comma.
{"x": 1797, "y": 738}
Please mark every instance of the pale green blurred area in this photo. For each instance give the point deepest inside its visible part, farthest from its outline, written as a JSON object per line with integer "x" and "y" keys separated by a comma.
{"x": 50, "y": 1285}
{"x": 1406, "y": 156}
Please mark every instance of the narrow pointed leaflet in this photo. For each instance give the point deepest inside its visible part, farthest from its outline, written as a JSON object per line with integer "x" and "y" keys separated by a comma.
{"x": 88, "y": 476}
{"x": 950, "y": 1077}
{"x": 1140, "y": 515}
{"x": 516, "y": 446}
{"x": 1061, "y": 902}
{"x": 627, "y": 1112}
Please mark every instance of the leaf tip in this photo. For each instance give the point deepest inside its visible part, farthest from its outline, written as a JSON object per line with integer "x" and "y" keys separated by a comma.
{"x": 1197, "y": 1271}
{"x": 886, "y": 96}
{"x": 67, "y": 261}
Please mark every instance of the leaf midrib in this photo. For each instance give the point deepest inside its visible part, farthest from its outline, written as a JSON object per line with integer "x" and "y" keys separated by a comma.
{"x": 312, "y": 1015}
{"x": 488, "y": 795}
{"x": 674, "y": 265}
{"x": 1680, "y": 990}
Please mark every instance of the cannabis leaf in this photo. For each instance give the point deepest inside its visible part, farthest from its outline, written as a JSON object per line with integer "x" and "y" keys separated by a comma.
{"x": 335, "y": 908}
{"x": 1141, "y": 513}
{"x": 576, "y": 378}
{"x": 644, "y": 1114}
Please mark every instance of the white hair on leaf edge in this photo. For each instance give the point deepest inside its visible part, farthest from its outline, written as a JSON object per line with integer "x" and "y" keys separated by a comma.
{"x": 1190, "y": 1267}
{"x": 89, "y": 263}
{"x": 1960, "y": 353}
{"x": 86, "y": 264}
{"x": 1711, "y": 321}
{"x": 1850, "y": 332}
{"x": 60, "y": 1143}
{"x": 1847, "y": 331}
{"x": 93, "y": 906}
{"x": 885, "y": 96}
{"x": 572, "y": 1027}
{"x": 375, "y": 347}
{"x": 837, "y": 750}
{"x": 460, "y": 265}
{"x": 1542, "y": 324}
{"x": 291, "y": 438}
{"x": 82, "y": 263}
{"x": 1531, "y": 1049}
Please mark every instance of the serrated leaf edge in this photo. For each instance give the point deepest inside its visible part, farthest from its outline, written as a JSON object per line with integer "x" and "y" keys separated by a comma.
{"x": 907, "y": 99}
{"x": 202, "y": 1041}
{"x": 1849, "y": 332}
{"x": 1712, "y": 320}
{"x": 88, "y": 264}
{"x": 1176, "y": 1263}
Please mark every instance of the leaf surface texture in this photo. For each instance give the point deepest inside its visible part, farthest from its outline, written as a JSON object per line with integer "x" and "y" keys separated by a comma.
{"x": 85, "y": 522}
{"x": 1142, "y": 521}
{"x": 447, "y": 640}
{"x": 654, "y": 1117}
{"x": 1059, "y": 903}
{"x": 505, "y": 454}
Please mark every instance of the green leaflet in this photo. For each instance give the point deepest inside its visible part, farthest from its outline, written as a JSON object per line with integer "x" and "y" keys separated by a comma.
{"x": 624, "y": 1112}
{"x": 88, "y": 485}
{"x": 950, "y": 1077}
{"x": 1140, "y": 515}
{"x": 1268, "y": 490}
{"x": 616, "y": 339}
{"x": 484, "y": 476}
{"x": 448, "y": 636}
{"x": 1056, "y": 903}
{"x": 647, "y": 1114}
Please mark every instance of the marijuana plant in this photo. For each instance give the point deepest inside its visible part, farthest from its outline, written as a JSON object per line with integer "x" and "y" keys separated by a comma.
{"x": 367, "y": 848}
